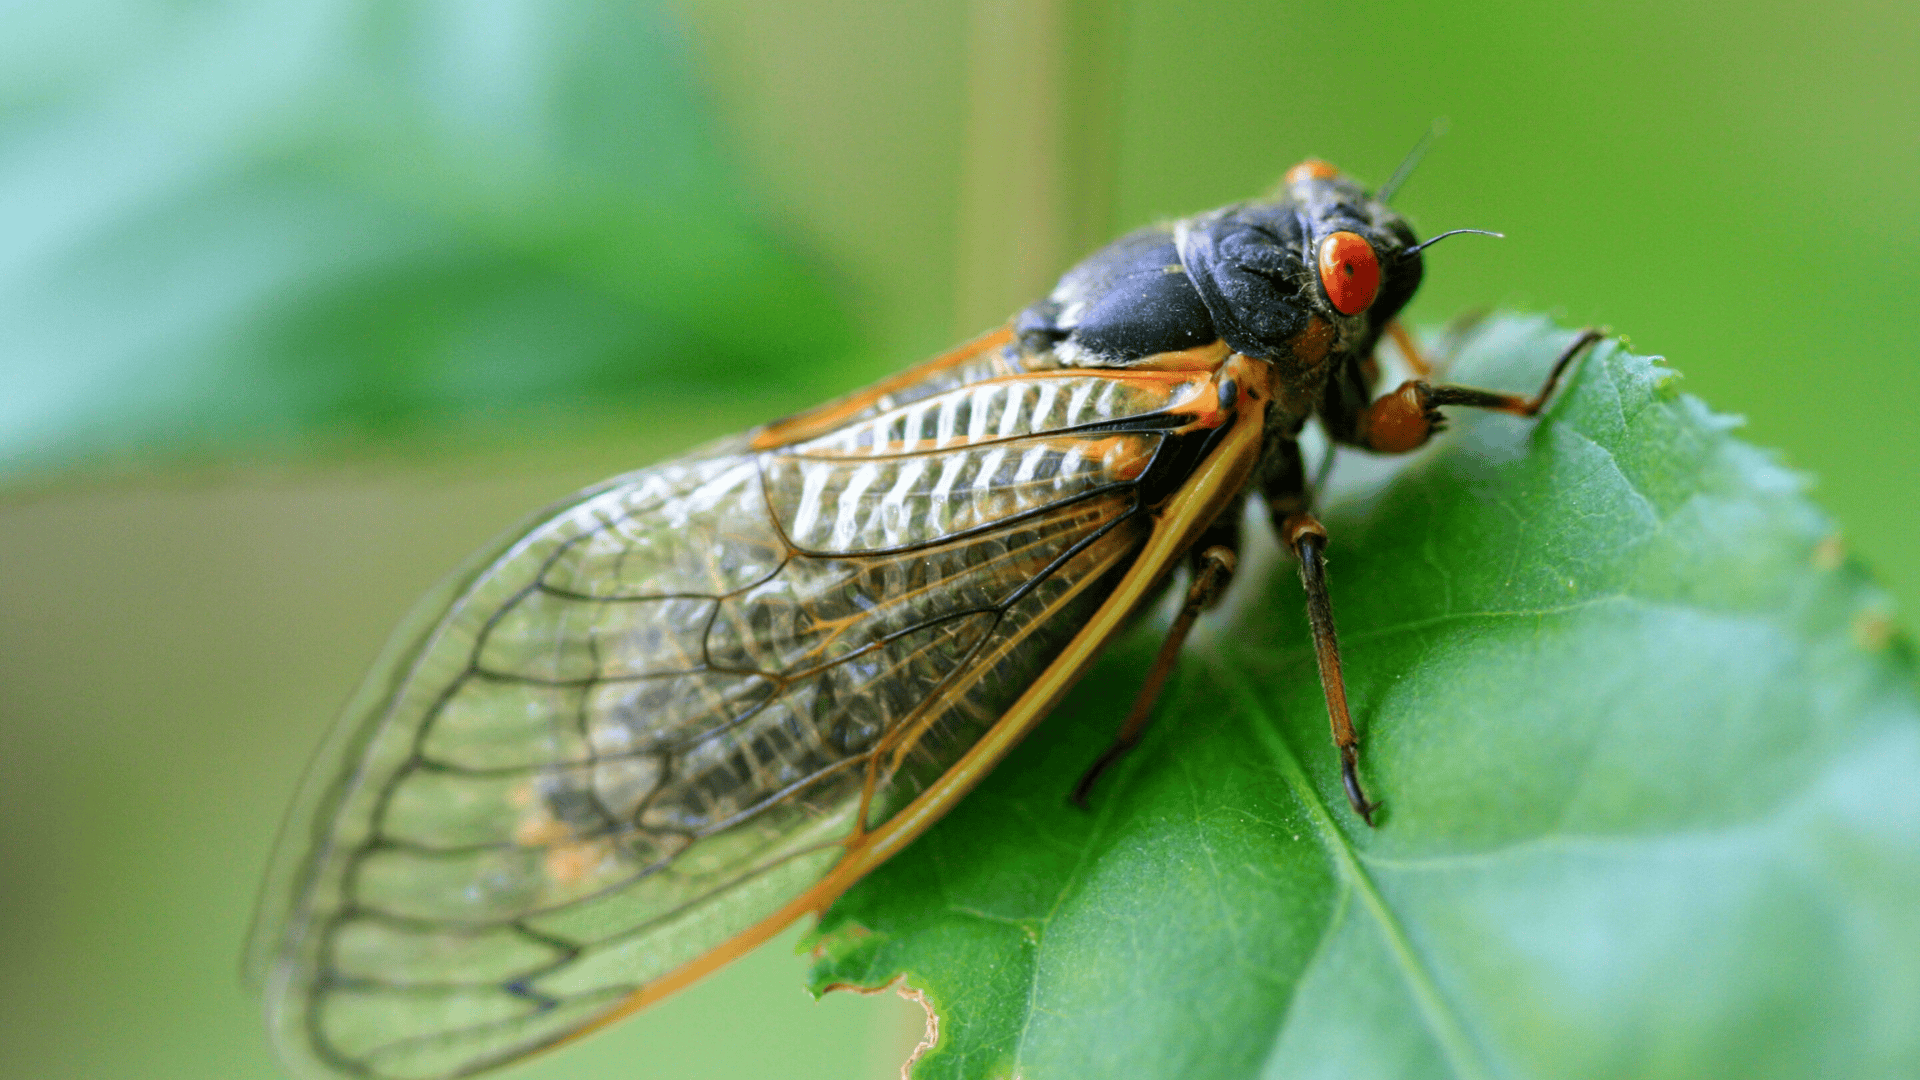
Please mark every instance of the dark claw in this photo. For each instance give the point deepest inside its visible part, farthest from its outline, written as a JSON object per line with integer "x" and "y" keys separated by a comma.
{"x": 1358, "y": 798}
{"x": 1085, "y": 787}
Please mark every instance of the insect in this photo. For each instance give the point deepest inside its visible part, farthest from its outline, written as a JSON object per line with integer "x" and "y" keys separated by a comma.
{"x": 683, "y": 708}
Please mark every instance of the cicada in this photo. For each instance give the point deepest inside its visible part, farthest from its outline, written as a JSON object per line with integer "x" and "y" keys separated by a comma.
{"x": 683, "y": 708}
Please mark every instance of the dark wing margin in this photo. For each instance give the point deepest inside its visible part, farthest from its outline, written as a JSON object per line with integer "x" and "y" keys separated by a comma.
{"x": 684, "y": 708}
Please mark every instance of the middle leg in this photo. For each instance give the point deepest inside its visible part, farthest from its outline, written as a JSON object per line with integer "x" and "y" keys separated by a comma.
{"x": 1288, "y": 501}
{"x": 1213, "y": 562}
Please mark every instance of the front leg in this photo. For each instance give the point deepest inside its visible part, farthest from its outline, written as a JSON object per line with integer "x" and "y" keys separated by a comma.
{"x": 1406, "y": 418}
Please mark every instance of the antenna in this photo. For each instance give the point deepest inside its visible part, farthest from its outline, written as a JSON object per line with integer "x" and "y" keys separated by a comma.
{"x": 1432, "y": 240}
{"x": 1434, "y": 131}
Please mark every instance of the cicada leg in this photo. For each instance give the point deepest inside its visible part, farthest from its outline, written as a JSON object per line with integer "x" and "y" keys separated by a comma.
{"x": 1405, "y": 419}
{"x": 1307, "y": 538}
{"x": 1451, "y": 336}
{"x": 1410, "y": 350}
{"x": 1392, "y": 423}
{"x": 1214, "y": 560}
{"x": 1288, "y": 502}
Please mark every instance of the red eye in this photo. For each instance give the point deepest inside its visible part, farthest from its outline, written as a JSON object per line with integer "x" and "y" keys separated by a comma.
{"x": 1350, "y": 272}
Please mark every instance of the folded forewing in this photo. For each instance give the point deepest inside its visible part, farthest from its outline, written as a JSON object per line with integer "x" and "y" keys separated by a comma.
{"x": 666, "y": 710}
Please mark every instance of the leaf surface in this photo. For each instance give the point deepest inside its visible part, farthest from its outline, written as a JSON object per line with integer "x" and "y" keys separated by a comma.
{"x": 1649, "y": 757}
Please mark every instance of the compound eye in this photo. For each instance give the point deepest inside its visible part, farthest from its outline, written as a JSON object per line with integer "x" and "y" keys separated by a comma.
{"x": 1349, "y": 271}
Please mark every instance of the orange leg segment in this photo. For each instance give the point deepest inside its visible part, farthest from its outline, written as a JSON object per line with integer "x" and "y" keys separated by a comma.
{"x": 1410, "y": 350}
{"x": 1406, "y": 418}
{"x": 1308, "y": 539}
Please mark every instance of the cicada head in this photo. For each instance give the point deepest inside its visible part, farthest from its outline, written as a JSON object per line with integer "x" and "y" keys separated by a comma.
{"x": 1363, "y": 255}
{"x": 1306, "y": 279}
{"x": 1310, "y": 274}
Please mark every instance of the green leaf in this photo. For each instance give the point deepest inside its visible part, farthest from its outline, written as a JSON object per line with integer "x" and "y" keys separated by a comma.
{"x": 231, "y": 224}
{"x": 1650, "y": 761}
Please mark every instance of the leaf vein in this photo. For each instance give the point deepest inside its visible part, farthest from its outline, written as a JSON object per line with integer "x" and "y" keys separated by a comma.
{"x": 1442, "y": 1021}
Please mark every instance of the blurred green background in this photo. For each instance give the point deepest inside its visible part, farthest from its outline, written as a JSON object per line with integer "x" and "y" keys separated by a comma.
{"x": 300, "y": 303}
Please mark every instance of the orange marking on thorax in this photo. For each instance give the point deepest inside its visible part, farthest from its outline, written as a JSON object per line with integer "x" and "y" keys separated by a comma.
{"x": 1310, "y": 345}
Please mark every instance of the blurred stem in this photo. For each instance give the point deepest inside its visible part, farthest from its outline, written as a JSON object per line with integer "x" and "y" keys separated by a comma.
{"x": 1037, "y": 176}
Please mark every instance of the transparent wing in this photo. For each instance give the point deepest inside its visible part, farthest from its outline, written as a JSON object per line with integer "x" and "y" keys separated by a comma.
{"x": 665, "y": 710}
